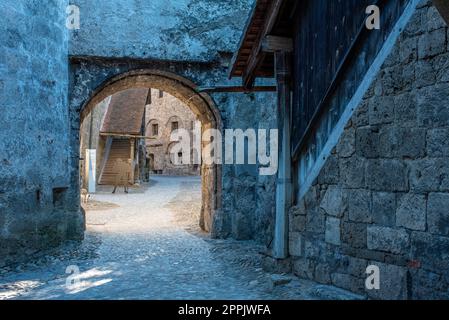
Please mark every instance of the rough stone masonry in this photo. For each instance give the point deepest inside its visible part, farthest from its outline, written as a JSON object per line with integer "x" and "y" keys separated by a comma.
{"x": 382, "y": 196}
{"x": 36, "y": 208}
{"x": 48, "y": 73}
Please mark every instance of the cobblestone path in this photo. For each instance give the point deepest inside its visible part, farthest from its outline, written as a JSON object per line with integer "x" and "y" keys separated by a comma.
{"x": 148, "y": 246}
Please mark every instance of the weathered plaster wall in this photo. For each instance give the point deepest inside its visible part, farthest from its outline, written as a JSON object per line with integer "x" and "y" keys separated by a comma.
{"x": 35, "y": 205}
{"x": 182, "y": 30}
{"x": 382, "y": 196}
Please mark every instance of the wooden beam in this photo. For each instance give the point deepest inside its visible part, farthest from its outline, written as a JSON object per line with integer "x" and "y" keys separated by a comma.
{"x": 257, "y": 55}
{"x": 238, "y": 89}
{"x": 120, "y": 135}
{"x": 275, "y": 44}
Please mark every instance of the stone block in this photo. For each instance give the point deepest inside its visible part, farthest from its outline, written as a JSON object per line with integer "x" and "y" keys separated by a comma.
{"x": 405, "y": 110}
{"x": 438, "y": 213}
{"x": 353, "y": 234}
{"x": 333, "y": 231}
{"x": 359, "y": 207}
{"x": 334, "y": 202}
{"x": 330, "y": 173}
{"x": 353, "y": 266}
{"x": 273, "y": 265}
{"x": 384, "y": 208}
{"x": 387, "y": 175}
{"x": 367, "y": 142}
{"x": 408, "y": 50}
{"x": 313, "y": 249}
{"x": 297, "y": 223}
{"x": 346, "y": 144}
{"x": 360, "y": 117}
{"x": 432, "y": 19}
{"x": 431, "y": 251}
{"x": 411, "y": 213}
{"x": 396, "y": 142}
{"x": 438, "y": 143}
{"x": 295, "y": 244}
{"x": 322, "y": 274}
{"x": 429, "y": 175}
{"x": 381, "y": 110}
{"x": 432, "y": 43}
{"x": 386, "y": 239}
{"x": 393, "y": 283}
{"x": 304, "y": 268}
{"x": 348, "y": 282}
{"x": 352, "y": 172}
{"x": 431, "y": 103}
{"x": 315, "y": 221}
{"x": 426, "y": 73}
{"x": 299, "y": 209}
{"x": 441, "y": 67}
{"x": 428, "y": 286}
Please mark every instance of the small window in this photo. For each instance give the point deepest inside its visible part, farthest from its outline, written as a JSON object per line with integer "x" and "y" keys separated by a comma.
{"x": 155, "y": 129}
{"x": 174, "y": 126}
{"x": 179, "y": 154}
{"x": 161, "y": 94}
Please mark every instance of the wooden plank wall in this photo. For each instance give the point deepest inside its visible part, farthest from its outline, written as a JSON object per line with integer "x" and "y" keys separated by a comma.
{"x": 325, "y": 31}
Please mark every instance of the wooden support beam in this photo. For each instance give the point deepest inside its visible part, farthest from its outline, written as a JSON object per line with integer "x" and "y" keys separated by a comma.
{"x": 274, "y": 44}
{"x": 120, "y": 135}
{"x": 237, "y": 89}
{"x": 284, "y": 181}
{"x": 257, "y": 55}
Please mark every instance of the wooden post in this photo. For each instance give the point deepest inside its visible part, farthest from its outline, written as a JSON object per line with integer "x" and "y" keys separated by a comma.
{"x": 131, "y": 175}
{"x": 284, "y": 181}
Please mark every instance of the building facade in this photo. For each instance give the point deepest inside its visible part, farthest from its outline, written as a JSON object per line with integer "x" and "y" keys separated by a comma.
{"x": 164, "y": 115}
{"x": 363, "y": 162}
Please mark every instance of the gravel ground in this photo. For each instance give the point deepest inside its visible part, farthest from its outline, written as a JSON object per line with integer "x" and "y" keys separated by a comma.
{"x": 146, "y": 245}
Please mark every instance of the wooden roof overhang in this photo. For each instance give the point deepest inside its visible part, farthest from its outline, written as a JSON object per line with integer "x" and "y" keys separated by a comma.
{"x": 253, "y": 59}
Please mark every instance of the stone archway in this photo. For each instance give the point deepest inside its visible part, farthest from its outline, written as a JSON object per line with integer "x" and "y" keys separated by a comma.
{"x": 200, "y": 104}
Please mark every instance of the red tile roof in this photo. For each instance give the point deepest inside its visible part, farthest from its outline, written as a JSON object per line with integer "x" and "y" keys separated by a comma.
{"x": 125, "y": 112}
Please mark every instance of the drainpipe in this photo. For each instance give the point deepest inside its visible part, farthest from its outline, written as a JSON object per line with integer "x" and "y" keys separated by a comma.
{"x": 284, "y": 181}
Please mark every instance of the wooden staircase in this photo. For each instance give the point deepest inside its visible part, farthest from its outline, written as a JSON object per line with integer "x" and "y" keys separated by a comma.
{"x": 120, "y": 149}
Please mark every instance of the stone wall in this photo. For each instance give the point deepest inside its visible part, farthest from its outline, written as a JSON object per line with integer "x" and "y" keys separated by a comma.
{"x": 193, "y": 39}
{"x": 37, "y": 209}
{"x": 181, "y": 30}
{"x": 163, "y": 111}
{"x": 382, "y": 196}
{"x": 248, "y": 198}
{"x": 245, "y": 204}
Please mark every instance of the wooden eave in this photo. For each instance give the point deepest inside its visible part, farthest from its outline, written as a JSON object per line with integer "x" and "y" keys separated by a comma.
{"x": 249, "y": 62}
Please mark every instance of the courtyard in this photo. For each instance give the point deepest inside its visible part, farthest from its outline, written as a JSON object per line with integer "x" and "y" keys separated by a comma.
{"x": 147, "y": 245}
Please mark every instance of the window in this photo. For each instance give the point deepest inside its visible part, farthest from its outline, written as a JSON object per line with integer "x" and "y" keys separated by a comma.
{"x": 161, "y": 94}
{"x": 155, "y": 129}
{"x": 174, "y": 126}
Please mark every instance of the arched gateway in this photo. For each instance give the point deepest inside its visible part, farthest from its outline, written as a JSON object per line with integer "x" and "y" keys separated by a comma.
{"x": 200, "y": 104}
